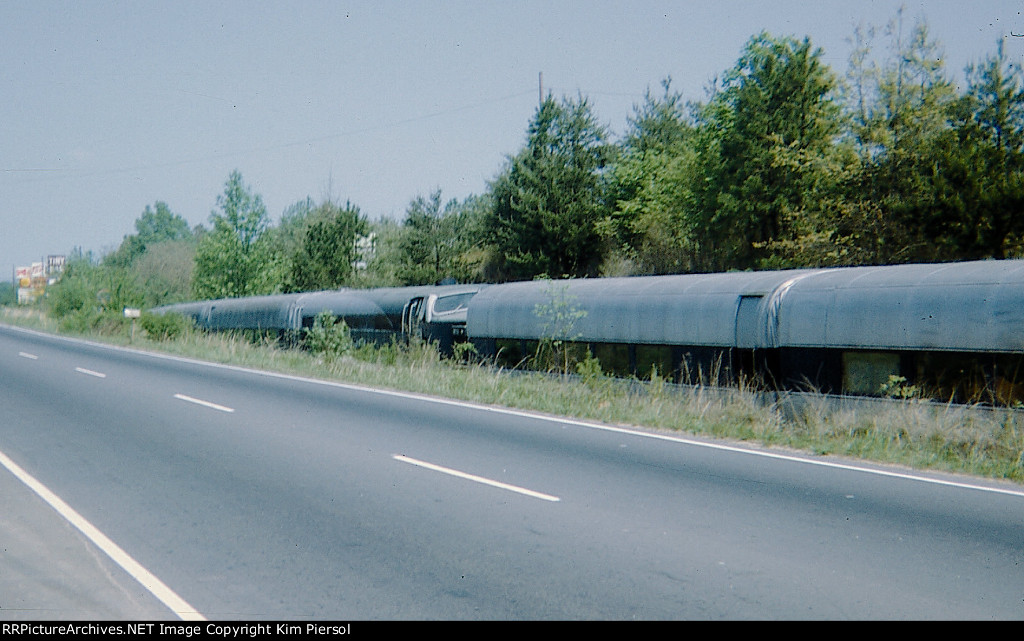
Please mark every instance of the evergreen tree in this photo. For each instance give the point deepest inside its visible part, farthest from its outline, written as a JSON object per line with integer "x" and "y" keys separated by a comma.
{"x": 547, "y": 202}
{"x": 991, "y": 150}
{"x": 434, "y": 242}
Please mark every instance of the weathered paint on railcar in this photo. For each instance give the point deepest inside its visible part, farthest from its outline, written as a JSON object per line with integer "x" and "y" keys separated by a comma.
{"x": 198, "y": 312}
{"x": 690, "y": 309}
{"x": 358, "y": 312}
{"x": 966, "y": 307}
{"x": 258, "y": 313}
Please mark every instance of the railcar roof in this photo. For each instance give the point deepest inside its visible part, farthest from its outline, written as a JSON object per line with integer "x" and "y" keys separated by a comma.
{"x": 971, "y": 306}
{"x": 694, "y": 309}
{"x": 981, "y": 272}
{"x": 968, "y": 305}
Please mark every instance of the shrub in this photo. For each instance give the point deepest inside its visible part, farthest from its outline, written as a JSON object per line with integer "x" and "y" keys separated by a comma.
{"x": 329, "y": 337}
{"x": 163, "y": 327}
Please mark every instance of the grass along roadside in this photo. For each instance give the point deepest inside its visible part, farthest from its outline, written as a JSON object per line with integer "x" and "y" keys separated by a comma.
{"x": 922, "y": 435}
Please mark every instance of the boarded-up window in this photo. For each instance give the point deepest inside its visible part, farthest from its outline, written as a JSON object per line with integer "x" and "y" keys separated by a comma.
{"x": 866, "y": 372}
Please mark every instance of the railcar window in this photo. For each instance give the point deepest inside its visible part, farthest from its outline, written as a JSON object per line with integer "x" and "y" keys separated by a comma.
{"x": 452, "y": 303}
{"x": 649, "y": 357}
{"x": 866, "y": 372}
{"x": 509, "y": 352}
{"x": 973, "y": 378}
{"x": 614, "y": 358}
{"x": 359, "y": 322}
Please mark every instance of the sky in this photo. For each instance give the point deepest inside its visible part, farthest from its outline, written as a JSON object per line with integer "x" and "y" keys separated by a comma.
{"x": 109, "y": 106}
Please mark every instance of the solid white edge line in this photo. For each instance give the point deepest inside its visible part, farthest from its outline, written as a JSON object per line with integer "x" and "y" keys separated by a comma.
{"x": 89, "y": 372}
{"x": 475, "y": 478}
{"x": 542, "y": 417}
{"x": 156, "y": 587}
{"x": 198, "y": 401}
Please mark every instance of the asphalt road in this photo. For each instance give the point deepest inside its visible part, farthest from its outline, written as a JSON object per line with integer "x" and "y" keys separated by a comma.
{"x": 136, "y": 486}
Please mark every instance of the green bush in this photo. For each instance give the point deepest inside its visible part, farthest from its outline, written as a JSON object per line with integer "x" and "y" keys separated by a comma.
{"x": 328, "y": 337}
{"x": 589, "y": 370}
{"x": 163, "y": 327}
{"x": 90, "y": 320}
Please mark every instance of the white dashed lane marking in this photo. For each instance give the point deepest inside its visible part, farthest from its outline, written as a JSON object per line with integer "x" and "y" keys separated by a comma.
{"x": 213, "y": 406}
{"x": 475, "y": 478}
{"x": 89, "y": 372}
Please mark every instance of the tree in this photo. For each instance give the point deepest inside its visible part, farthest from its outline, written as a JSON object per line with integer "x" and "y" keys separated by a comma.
{"x": 236, "y": 258}
{"x": 164, "y": 271}
{"x": 780, "y": 95}
{"x": 385, "y": 258}
{"x": 152, "y": 227}
{"x": 991, "y": 147}
{"x": 161, "y": 224}
{"x": 437, "y": 243}
{"x": 660, "y": 123}
{"x": 549, "y": 198}
{"x": 92, "y": 295}
{"x": 328, "y": 254}
{"x": 906, "y": 143}
{"x": 650, "y": 222}
{"x": 290, "y": 233}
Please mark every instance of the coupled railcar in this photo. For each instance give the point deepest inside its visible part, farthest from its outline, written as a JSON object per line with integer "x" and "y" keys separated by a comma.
{"x": 682, "y": 325}
{"x": 379, "y": 316}
{"x": 953, "y": 331}
{"x": 434, "y": 313}
{"x": 285, "y": 315}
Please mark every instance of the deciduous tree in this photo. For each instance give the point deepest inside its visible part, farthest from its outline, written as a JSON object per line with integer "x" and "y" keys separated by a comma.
{"x": 236, "y": 258}
{"x": 650, "y": 223}
{"x": 780, "y": 94}
{"x": 328, "y": 254}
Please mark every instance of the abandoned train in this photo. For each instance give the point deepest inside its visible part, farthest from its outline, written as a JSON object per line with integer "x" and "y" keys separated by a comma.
{"x": 954, "y": 331}
{"x": 434, "y": 313}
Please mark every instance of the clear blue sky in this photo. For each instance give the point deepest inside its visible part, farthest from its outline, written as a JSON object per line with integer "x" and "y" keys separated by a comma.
{"x": 109, "y": 106}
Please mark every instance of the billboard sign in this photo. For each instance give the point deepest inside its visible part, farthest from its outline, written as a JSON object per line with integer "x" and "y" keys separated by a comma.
{"x": 23, "y": 276}
{"x": 54, "y": 264}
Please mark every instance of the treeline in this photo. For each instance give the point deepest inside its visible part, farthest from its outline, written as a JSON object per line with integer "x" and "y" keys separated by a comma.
{"x": 784, "y": 163}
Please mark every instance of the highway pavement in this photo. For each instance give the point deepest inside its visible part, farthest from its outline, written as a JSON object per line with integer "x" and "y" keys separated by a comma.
{"x": 141, "y": 486}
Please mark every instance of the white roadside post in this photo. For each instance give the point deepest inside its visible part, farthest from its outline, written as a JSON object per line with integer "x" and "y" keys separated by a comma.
{"x": 132, "y": 313}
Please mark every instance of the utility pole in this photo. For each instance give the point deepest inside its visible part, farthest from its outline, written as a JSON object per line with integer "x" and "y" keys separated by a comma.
{"x": 540, "y": 88}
